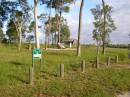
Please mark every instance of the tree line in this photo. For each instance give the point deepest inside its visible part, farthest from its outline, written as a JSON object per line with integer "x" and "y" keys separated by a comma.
{"x": 21, "y": 18}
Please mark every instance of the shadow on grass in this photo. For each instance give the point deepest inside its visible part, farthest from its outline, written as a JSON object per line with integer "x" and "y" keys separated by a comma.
{"x": 75, "y": 67}
{"x": 16, "y": 63}
{"x": 18, "y": 78}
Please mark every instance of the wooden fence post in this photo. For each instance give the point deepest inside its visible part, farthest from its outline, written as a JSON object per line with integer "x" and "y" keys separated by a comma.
{"x": 116, "y": 59}
{"x": 31, "y": 76}
{"x": 108, "y": 61}
{"x": 62, "y": 70}
{"x": 97, "y": 62}
{"x": 83, "y": 66}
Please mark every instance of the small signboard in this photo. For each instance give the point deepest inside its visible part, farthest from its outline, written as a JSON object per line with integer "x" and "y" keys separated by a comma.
{"x": 37, "y": 53}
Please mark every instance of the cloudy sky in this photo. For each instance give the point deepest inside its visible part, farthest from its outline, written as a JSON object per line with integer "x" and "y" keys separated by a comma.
{"x": 121, "y": 16}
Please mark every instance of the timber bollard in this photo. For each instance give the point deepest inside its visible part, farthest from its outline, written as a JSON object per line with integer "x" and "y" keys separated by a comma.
{"x": 31, "y": 76}
{"x": 62, "y": 70}
{"x": 108, "y": 61}
{"x": 83, "y": 66}
{"x": 116, "y": 59}
{"x": 97, "y": 62}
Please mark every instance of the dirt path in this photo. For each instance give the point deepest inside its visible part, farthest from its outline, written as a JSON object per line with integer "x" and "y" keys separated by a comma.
{"x": 55, "y": 49}
{"x": 124, "y": 95}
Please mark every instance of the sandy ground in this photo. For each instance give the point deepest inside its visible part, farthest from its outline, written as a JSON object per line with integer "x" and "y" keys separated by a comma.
{"x": 124, "y": 95}
{"x": 61, "y": 49}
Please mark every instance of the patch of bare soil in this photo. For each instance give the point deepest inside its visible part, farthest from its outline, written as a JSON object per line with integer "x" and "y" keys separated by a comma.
{"x": 124, "y": 95}
{"x": 56, "y": 49}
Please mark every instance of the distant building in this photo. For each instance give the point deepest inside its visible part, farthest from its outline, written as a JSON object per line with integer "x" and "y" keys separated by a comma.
{"x": 70, "y": 42}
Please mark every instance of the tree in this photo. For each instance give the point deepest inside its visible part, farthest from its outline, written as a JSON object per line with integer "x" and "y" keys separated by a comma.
{"x": 6, "y": 10}
{"x": 11, "y": 31}
{"x": 97, "y": 37}
{"x": 45, "y": 25}
{"x": 21, "y": 18}
{"x": 96, "y": 33}
{"x": 18, "y": 12}
{"x": 18, "y": 22}
{"x": 108, "y": 24}
{"x": 32, "y": 26}
{"x": 65, "y": 32}
{"x": 60, "y": 6}
{"x": 36, "y": 23}
{"x": 47, "y": 34}
{"x": 79, "y": 30}
{"x": 103, "y": 24}
{"x": 1, "y": 34}
{"x": 29, "y": 39}
{"x": 54, "y": 29}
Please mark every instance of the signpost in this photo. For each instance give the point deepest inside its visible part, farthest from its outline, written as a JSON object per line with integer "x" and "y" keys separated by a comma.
{"x": 36, "y": 55}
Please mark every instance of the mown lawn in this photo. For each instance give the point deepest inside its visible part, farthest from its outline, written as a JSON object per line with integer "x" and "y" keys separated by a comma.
{"x": 102, "y": 82}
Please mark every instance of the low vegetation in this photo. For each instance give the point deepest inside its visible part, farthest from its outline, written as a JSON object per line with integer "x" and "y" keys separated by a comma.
{"x": 102, "y": 82}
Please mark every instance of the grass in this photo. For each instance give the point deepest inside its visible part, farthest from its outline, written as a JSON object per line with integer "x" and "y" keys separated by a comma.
{"x": 103, "y": 82}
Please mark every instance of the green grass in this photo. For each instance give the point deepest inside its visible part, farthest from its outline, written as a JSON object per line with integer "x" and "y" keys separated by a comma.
{"x": 103, "y": 82}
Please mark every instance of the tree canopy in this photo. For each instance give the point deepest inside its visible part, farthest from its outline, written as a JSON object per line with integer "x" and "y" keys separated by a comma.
{"x": 103, "y": 25}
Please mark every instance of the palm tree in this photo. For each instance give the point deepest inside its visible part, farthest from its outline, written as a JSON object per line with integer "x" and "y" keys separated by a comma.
{"x": 36, "y": 23}
{"x": 79, "y": 30}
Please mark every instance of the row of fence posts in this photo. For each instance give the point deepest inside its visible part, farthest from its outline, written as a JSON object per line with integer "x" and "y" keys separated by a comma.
{"x": 108, "y": 61}
{"x": 83, "y": 68}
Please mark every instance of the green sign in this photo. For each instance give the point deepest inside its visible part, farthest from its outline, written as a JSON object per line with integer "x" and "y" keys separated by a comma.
{"x": 37, "y": 53}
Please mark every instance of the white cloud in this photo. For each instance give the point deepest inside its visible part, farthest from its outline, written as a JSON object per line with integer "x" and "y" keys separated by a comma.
{"x": 121, "y": 16}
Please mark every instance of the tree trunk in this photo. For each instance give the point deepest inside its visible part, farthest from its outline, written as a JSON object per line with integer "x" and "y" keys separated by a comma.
{"x": 20, "y": 39}
{"x": 59, "y": 29}
{"x": 19, "y": 31}
{"x": 45, "y": 41}
{"x": 36, "y": 23}
{"x": 48, "y": 42}
{"x": 55, "y": 38}
{"x": 52, "y": 39}
{"x": 98, "y": 46}
{"x": 30, "y": 46}
{"x": 49, "y": 20}
{"x": 103, "y": 46}
{"x": 58, "y": 24}
{"x": 79, "y": 30}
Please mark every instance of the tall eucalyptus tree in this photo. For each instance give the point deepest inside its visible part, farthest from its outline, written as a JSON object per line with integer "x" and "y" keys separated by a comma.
{"x": 16, "y": 11}
{"x": 36, "y": 23}
{"x": 103, "y": 23}
{"x": 80, "y": 27}
{"x": 108, "y": 24}
{"x": 60, "y": 6}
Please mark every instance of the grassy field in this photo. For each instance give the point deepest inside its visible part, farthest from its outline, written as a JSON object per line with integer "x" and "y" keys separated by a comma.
{"x": 102, "y": 82}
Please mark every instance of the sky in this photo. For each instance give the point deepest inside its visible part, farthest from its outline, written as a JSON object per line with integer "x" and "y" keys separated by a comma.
{"x": 121, "y": 16}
